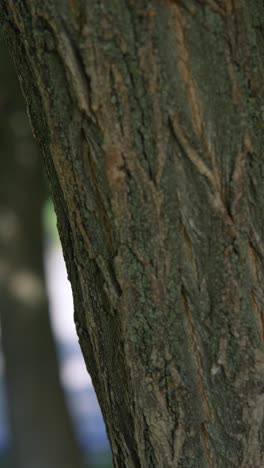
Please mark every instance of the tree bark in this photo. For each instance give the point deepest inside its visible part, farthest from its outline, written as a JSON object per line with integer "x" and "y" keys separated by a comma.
{"x": 150, "y": 120}
{"x": 41, "y": 430}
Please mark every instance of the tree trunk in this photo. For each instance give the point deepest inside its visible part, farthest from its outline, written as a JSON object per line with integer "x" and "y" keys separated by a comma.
{"x": 41, "y": 431}
{"x": 150, "y": 120}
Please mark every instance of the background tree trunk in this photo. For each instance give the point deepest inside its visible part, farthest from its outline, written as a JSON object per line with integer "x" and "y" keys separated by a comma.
{"x": 41, "y": 430}
{"x": 149, "y": 116}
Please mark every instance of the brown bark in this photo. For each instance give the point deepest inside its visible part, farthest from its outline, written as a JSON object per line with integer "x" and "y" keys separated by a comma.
{"x": 41, "y": 431}
{"x": 150, "y": 120}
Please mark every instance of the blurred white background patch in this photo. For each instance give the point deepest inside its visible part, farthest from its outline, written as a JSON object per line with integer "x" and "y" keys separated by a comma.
{"x": 81, "y": 398}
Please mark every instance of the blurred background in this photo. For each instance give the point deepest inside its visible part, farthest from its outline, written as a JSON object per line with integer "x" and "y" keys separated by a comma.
{"x": 49, "y": 414}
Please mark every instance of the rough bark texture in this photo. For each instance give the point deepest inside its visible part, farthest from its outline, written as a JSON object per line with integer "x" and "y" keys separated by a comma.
{"x": 41, "y": 430}
{"x": 150, "y": 119}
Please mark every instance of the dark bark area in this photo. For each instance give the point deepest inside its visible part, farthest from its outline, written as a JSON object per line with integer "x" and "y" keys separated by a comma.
{"x": 150, "y": 120}
{"x": 41, "y": 430}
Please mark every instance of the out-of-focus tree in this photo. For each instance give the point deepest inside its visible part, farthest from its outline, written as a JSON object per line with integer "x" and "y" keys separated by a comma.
{"x": 42, "y": 435}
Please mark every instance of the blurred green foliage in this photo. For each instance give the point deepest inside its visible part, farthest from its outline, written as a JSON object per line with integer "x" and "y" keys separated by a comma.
{"x": 50, "y": 222}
